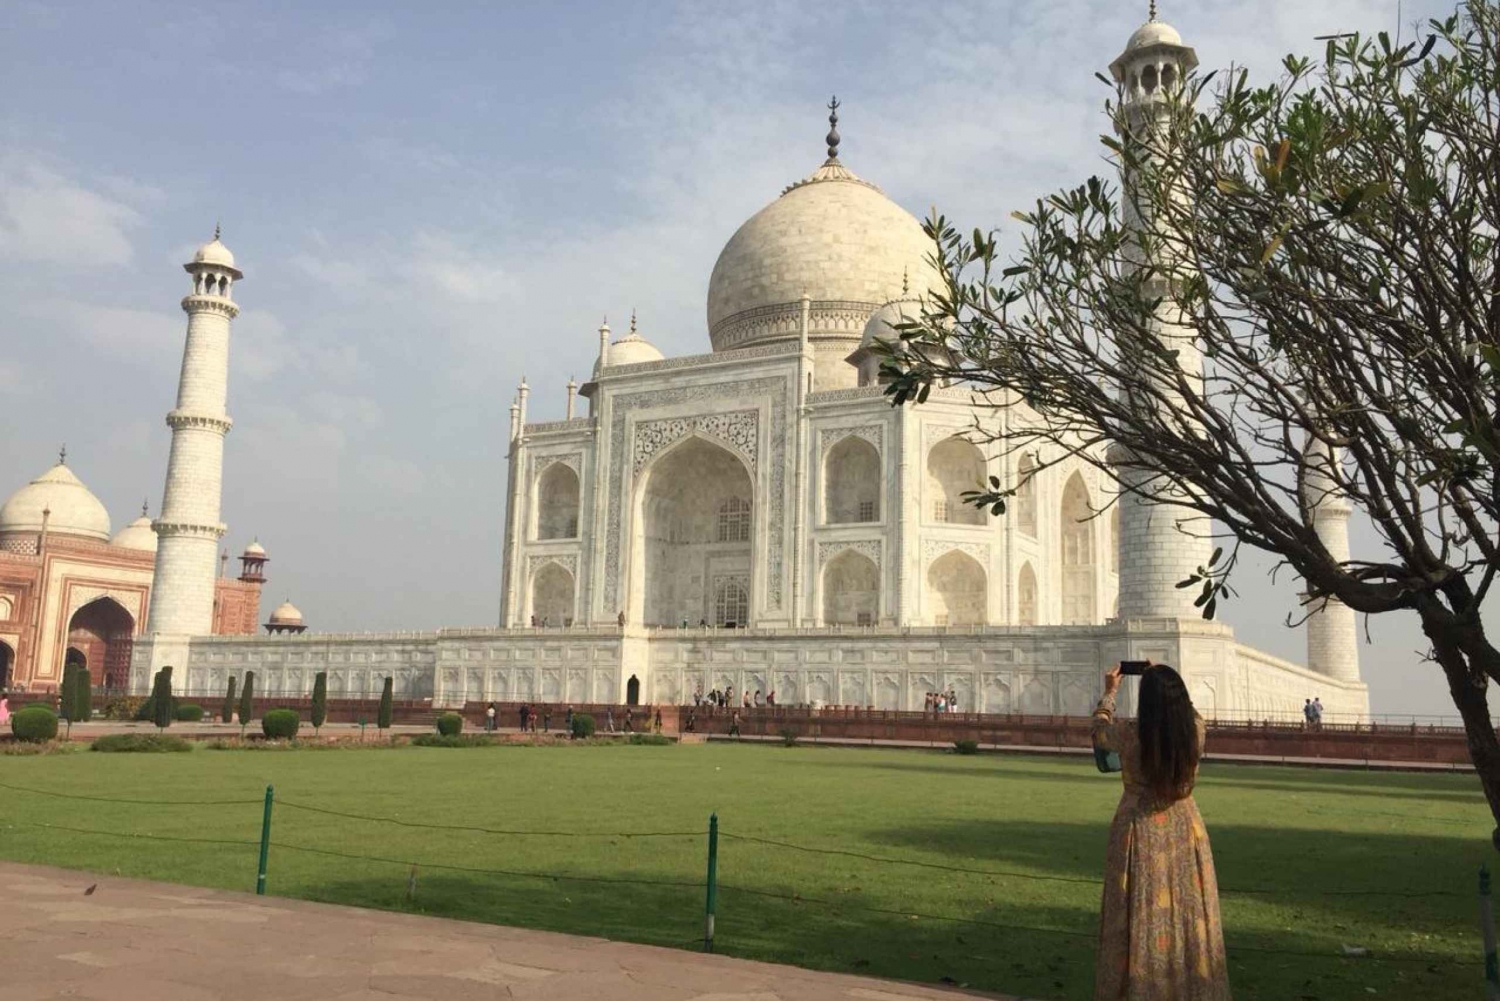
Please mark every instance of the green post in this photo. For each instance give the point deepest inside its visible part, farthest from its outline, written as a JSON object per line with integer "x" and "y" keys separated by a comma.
{"x": 265, "y": 845}
{"x": 713, "y": 882}
{"x": 1487, "y": 923}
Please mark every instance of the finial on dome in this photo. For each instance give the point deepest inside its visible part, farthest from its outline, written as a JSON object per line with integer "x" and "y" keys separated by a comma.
{"x": 216, "y": 229}
{"x": 632, "y": 321}
{"x": 145, "y": 505}
{"x": 1153, "y": 11}
{"x": 905, "y": 281}
{"x": 833, "y": 128}
{"x": 62, "y": 455}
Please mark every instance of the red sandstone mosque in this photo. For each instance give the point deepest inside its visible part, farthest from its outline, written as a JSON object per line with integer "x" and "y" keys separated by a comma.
{"x": 70, "y": 592}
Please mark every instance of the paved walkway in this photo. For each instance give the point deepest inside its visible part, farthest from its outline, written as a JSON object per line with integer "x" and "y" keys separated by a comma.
{"x": 132, "y": 940}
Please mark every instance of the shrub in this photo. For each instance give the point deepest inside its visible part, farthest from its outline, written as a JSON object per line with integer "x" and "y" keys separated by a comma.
{"x": 966, "y": 747}
{"x": 83, "y": 696}
{"x": 583, "y": 726}
{"x": 188, "y": 713}
{"x": 320, "y": 700}
{"x": 149, "y": 743}
{"x": 450, "y": 724}
{"x": 123, "y": 707}
{"x": 65, "y": 692}
{"x": 788, "y": 736}
{"x": 280, "y": 724}
{"x": 651, "y": 739}
{"x": 226, "y": 712}
{"x": 386, "y": 698}
{"x": 27, "y": 749}
{"x": 34, "y": 724}
{"x": 247, "y": 698}
{"x": 161, "y": 699}
{"x": 453, "y": 740}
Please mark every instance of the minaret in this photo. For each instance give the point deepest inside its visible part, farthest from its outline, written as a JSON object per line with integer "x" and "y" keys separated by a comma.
{"x": 1155, "y": 553}
{"x": 1332, "y": 633}
{"x": 603, "y": 344}
{"x": 572, "y": 395}
{"x": 188, "y": 527}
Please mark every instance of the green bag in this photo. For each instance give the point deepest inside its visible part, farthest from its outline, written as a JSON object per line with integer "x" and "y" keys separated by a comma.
{"x": 1105, "y": 761}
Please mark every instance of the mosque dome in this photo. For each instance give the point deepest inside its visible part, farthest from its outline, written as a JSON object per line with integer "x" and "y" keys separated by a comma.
{"x": 286, "y": 614}
{"x": 633, "y": 349}
{"x": 73, "y": 510}
{"x": 1153, "y": 32}
{"x": 214, "y": 252}
{"x": 831, "y": 236}
{"x": 136, "y": 535}
{"x": 255, "y": 549}
{"x": 883, "y": 322}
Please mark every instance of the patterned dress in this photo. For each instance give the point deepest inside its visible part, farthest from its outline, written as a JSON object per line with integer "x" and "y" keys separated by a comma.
{"x": 1160, "y": 937}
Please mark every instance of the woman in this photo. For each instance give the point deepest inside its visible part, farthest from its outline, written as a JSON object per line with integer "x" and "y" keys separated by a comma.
{"x": 1160, "y": 936}
{"x": 4, "y": 708}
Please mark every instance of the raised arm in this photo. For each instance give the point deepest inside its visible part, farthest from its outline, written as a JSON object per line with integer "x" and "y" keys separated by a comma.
{"x": 1102, "y": 729}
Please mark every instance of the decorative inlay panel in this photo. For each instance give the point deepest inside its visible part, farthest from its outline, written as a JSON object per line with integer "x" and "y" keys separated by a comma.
{"x": 934, "y": 433}
{"x": 568, "y": 561}
{"x": 872, "y": 433}
{"x": 867, "y": 547}
{"x": 80, "y": 596}
{"x": 933, "y": 548}
{"x": 739, "y": 430}
{"x": 573, "y": 460}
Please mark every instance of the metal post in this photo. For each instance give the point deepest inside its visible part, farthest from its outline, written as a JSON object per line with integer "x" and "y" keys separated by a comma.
{"x": 265, "y": 845}
{"x": 1487, "y": 922}
{"x": 713, "y": 882}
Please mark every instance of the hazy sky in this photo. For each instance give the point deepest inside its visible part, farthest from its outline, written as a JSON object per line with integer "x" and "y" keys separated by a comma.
{"x": 430, "y": 200}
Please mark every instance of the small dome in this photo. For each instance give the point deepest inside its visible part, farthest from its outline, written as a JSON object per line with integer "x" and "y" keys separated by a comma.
{"x": 1153, "y": 33}
{"x": 73, "y": 509}
{"x": 883, "y": 322}
{"x": 286, "y": 614}
{"x": 631, "y": 349}
{"x": 136, "y": 535}
{"x": 255, "y": 549}
{"x": 214, "y": 252}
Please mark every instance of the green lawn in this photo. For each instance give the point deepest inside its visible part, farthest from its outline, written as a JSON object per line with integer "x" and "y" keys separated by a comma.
{"x": 1306, "y": 837}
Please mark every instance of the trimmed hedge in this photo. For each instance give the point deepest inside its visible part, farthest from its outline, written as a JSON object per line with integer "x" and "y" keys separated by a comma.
{"x": 280, "y": 724}
{"x": 83, "y": 696}
{"x": 583, "y": 726}
{"x": 387, "y": 696}
{"x": 450, "y": 724}
{"x": 146, "y": 743}
{"x": 247, "y": 698}
{"x": 186, "y": 712}
{"x": 226, "y": 711}
{"x": 966, "y": 747}
{"x": 651, "y": 739}
{"x": 34, "y": 724}
{"x": 320, "y": 700}
{"x": 454, "y": 740}
{"x": 161, "y": 699}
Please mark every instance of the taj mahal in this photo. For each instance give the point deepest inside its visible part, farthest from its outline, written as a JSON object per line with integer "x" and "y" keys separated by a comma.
{"x": 755, "y": 517}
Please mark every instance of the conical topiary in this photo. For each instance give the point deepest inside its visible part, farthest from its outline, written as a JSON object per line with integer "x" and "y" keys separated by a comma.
{"x": 320, "y": 700}
{"x": 247, "y": 698}
{"x": 227, "y": 712}
{"x": 161, "y": 699}
{"x": 83, "y": 695}
{"x": 386, "y": 699}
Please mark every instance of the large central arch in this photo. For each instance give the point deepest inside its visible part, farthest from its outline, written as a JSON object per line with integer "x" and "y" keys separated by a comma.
{"x": 102, "y": 632}
{"x": 695, "y": 525}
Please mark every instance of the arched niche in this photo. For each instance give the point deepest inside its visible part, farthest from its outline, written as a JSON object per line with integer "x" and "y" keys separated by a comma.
{"x": 731, "y": 604}
{"x": 633, "y": 691}
{"x": 102, "y": 633}
{"x": 557, "y": 503}
{"x": 956, "y": 590}
{"x": 7, "y": 664}
{"x": 694, "y": 529}
{"x": 954, "y": 466}
{"x": 851, "y": 590}
{"x": 1025, "y": 499}
{"x": 1079, "y": 604}
{"x": 1026, "y": 596}
{"x": 851, "y": 482}
{"x": 552, "y": 596}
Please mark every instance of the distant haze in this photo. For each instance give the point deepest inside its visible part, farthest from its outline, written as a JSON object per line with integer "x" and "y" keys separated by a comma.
{"x": 429, "y": 201}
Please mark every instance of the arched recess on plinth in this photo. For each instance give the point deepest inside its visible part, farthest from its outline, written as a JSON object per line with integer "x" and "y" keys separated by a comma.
{"x": 1026, "y": 596}
{"x": 694, "y": 530}
{"x": 1079, "y": 583}
{"x": 633, "y": 691}
{"x": 553, "y": 593}
{"x": 101, "y": 634}
{"x": 957, "y": 591}
{"x": 851, "y": 482}
{"x": 557, "y": 503}
{"x": 851, "y": 590}
{"x": 954, "y": 466}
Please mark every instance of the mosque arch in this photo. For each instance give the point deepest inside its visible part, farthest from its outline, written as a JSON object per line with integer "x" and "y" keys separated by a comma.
{"x": 7, "y": 664}
{"x": 851, "y": 482}
{"x": 7, "y": 608}
{"x": 557, "y": 503}
{"x": 102, "y": 633}
{"x": 851, "y": 590}
{"x": 633, "y": 691}
{"x": 1025, "y": 500}
{"x": 552, "y": 595}
{"x": 957, "y": 590}
{"x": 1079, "y": 604}
{"x": 1026, "y": 596}
{"x": 694, "y": 531}
{"x": 954, "y": 466}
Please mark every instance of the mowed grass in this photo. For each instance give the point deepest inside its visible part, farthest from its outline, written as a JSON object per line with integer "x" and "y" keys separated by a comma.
{"x": 1313, "y": 843}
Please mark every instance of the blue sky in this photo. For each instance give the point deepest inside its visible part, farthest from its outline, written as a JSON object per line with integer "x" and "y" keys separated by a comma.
{"x": 431, "y": 200}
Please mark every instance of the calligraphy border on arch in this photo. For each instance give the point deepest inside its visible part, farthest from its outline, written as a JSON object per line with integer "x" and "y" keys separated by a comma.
{"x": 935, "y": 548}
{"x": 866, "y": 547}
{"x": 831, "y": 436}
{"x": 739, "y": 430}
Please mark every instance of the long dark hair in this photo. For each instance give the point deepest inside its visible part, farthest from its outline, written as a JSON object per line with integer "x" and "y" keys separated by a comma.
{"x": 1168, "y": 731}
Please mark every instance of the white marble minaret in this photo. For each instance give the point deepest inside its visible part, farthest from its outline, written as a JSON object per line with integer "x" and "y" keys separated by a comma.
{"x": 1332, "y": 632}
{"x": 1160, "y": 545}
{"x": 188, "y": 528}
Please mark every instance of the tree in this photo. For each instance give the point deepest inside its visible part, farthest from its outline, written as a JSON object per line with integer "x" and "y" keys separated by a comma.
{"x": 319, "y": 700}
{"x": 66, "y": 692}
{"x": 247, "y": 699}
{"x": 83, "y": 695}
{"x": 383, "y": 720}
{"x": 161, "y": 699}
{"x": 1329, "y": 242}
{"x": 226, "y": 712}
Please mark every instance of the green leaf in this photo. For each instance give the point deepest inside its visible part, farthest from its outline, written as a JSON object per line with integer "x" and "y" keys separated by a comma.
{"x": 1218, "y": 551}
{"x": 1189, "y": 582}
{"x": 1017, "y": 269}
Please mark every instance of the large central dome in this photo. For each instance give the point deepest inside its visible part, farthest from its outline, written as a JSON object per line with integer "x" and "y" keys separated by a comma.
{"x": 833, "y": 237}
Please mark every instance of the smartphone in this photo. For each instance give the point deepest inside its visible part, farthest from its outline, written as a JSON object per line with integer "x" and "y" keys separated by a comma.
{"x": 1132, "y": 667}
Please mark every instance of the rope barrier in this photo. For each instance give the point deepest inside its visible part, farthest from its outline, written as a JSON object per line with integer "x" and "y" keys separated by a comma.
{"x": 143, "y": 837}
{"x": 490, "y": 830}
{"x": 133, "y": 802}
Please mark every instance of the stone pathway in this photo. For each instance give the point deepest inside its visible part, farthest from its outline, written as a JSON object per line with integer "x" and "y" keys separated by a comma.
{"x": 132, "y": 940}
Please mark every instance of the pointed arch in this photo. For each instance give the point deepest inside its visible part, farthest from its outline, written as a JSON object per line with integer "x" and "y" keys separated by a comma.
{"x": 1026, "y": 596}
{"x": 851, "y": 482}
{"x": 557, "y": 502}
{"x": 7, "y": 664}
{"x": 552, "y": 595}
{"x": 101, "y": 634}
{"x": 953, "y": 467}
{"x": 851, "y": 590}
{"x": 956, "y": 590}
{"x": 1025, "y": 501}
{"x": 1079, "y": 601}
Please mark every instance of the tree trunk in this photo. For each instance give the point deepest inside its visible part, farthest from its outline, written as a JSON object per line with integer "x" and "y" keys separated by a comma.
{"x": 1467, "y": 684}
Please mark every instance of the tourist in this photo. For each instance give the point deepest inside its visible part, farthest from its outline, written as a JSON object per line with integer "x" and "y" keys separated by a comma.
{"x": 630, "y": 721}
{"x": 734, "y": 724}
{"x": 952, "y": 701}
{"x": 760, "y": 699}
{"x": 745, "y": 700}
{"x": 568, "y": 720}
{"x": 525, "y": 711}
{"x": 656, "y": 724}
{"x": 1307, "y": 714}
{"x": 698, "y": 697}
{"x": 1317, "y": 715}
{"x": 690, "y": 725}
{"x": 489, "y": 717}
{"x": 621, "y": 618}
{"x": 547, "y": 720}
{"x": 771, "y": 697}
{"x": 729, "y": 697}
{"x": 609, "y": 720}
{"x": 1160, "y": 932}
{"x": 4, "y": 708}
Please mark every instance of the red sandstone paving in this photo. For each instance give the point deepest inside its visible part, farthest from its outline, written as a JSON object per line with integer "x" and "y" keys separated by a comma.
{"x": 133, "y": 940}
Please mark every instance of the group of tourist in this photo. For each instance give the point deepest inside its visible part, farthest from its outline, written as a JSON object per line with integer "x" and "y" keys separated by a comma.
{"x": 1312, "y": 714}
{"x": 941, "y": 702}
{"x": 725, "y": 699}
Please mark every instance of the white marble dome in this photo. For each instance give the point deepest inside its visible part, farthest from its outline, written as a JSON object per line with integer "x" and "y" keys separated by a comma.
{"x": 1153, "y": 33}
{"x": 255, "y": 548}
{"x": 883, "y": 322}
{"x": 136, "y": 535}
{"x": 633, "y": 349}
{"x": 73, "y": 509}
{"x": 286, "y": 614}
{"x": 832, "y": 236}
{"x": 214, "y": 252}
